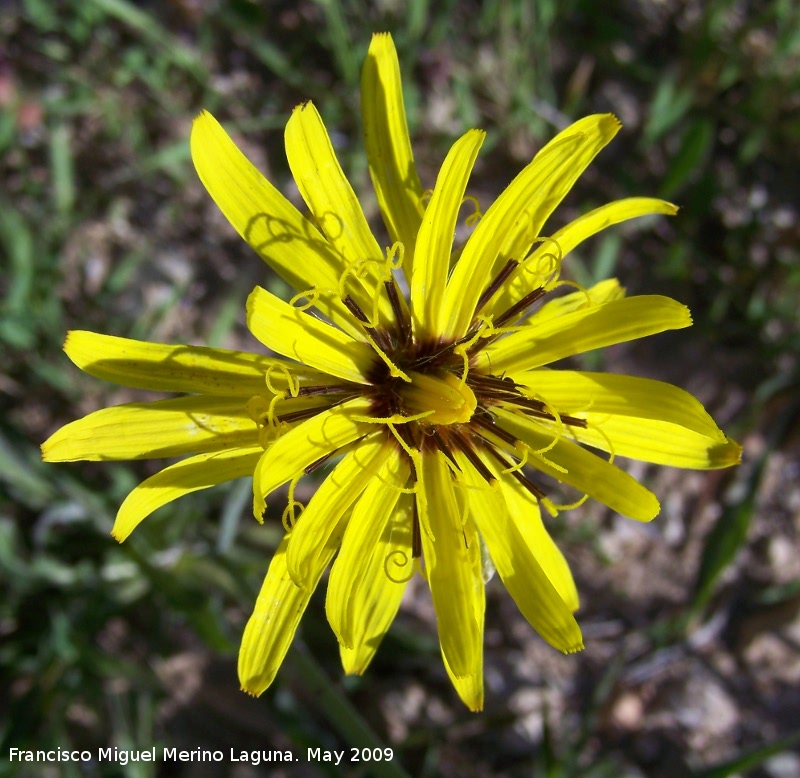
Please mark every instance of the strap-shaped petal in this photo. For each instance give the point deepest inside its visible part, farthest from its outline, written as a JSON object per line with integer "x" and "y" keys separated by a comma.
{"x": 184, "y": 477}
{"x": 333, "y": 497}
{"x": 376, "y": 598}
{"x": 451, "y": 550}
{"x": 304, "y": 338}
{"x": 517, "y": 563}
{"x": 288, "y": 242}
{"x": 601, "y": 292}
{"x": 314, "y": 439}
{"x": 165, "y": 428}
{"x": 468, "y": 687}
{"x": 190, "y": 369}
{"x": 355, "y": 570}
{"x": 571, "y": 464}
{"x": 562, "y": 242}
{"x": 525, "y": 512}
{"x": 331, "y": 199}
{"x": 435, "y": 239}
{"x": 509, "y": 227}
{"x": 271, "y": 627}
{"x": 617, "y": 321}
{"x": 391, "y": 161}
{"x": 637, "y": 418}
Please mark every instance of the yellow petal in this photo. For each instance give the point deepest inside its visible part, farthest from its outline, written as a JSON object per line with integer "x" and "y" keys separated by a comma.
{"x": 600, "y": 293}
{"x": 166, "y": 428}
{"x": 391, "y": 161}
{"x": 562, "y": 242}
{"x": 617, "y": 321}
{"x": 524, "y": 510}
{"x": 375, "y": 597}
{"x": 356, "y": 572}
{"x": 302, "y": 337}
{"x": 184, "y": 477}
{"x": 517, "y": 563}
{"x": 331, "y": 199}
{"x": 568, "y": 463}
{"x": 190, "y": 369}
{"x": 331, "y": 500}
{"x": 270, "y": 629}
{"x": 636, "y": 417}
{"x": 510, "y": 225}
{"x": 452, "y": 555}
{"x": 435, "y": 239}
{"x": 314, "y": 439}
{"x": 271, "y": 225}
{"x": 468, "y": 687}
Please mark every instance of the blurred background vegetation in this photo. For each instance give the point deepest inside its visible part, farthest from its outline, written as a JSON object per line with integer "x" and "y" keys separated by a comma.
{"x": 692, "y": 665}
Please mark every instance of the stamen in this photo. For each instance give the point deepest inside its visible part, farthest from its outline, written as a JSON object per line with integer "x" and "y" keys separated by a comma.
{"x": 515, "y": 310}
{"x": 379, "y": 337}
{"x": 356, "y": 310}
{"x": 529, "y": 407}
{"x": 499, "y": 383}
{"x": 396, "y": 418}
{"x": 416, "y": 539}
{"x": 444, "y": 447}
{"x": 310, "y": 391}
{"x": 466, "y": 449}
{"x": 299, "y": 415}
{"x": 403, "y": 322}
{"x": 318, "y": 463}
{"x": 521, "y": 477}
{"x": 490, "y": 426}
{"x": 498, "y": 282}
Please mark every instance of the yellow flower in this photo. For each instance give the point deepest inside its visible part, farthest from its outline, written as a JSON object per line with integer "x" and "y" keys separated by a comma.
{"x": 422, "y": 369}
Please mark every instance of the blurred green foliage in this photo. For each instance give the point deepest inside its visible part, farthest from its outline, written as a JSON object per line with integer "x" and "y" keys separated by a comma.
{"x": 104, "y": 226}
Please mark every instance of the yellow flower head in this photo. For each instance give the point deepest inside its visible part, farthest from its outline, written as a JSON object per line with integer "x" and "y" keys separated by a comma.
{"x": 422, "y": 369}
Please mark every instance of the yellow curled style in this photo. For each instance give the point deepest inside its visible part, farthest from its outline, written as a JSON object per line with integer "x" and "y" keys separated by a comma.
{"x": 292, "y": 382}
{"x": 554, "y": 263}
{"x": 311, "y": 295}
{"x": 395, "y": 255}
{"x": 558, "y": 507}
{"x": 389, "y": 559}
{"x": 290, "y": 515}
{"x": 476, "y": 215}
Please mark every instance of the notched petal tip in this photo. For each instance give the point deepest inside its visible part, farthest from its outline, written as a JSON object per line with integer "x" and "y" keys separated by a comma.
{"x": 69, "y": 336}
{"x": 606, "y": 124}
{"x": 726, "y": 454}
{"x": 46, "y": 451}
